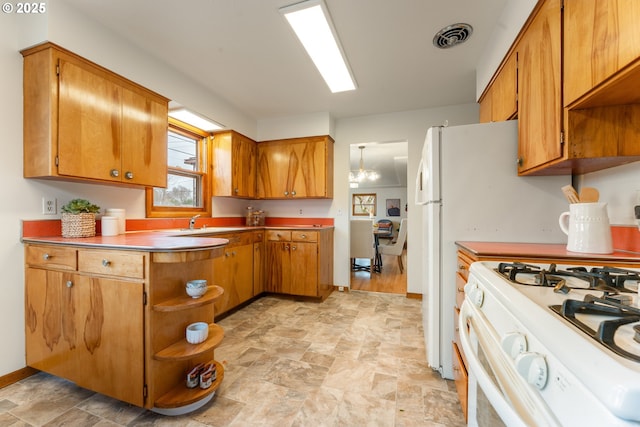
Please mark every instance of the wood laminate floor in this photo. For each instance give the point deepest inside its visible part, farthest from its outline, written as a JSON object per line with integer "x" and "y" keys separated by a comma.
{"x": 389, "y": 280}
{"x": 356, "y": 359}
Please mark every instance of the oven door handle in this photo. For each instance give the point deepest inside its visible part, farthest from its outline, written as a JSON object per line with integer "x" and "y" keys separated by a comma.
{"x": 521, "y": 406}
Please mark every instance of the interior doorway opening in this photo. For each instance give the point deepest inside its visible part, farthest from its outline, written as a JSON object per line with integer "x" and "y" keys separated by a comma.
{"x": 381, "y": 199}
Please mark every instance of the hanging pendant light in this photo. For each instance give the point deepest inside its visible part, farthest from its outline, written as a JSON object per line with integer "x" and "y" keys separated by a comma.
{"x": 363, "y": 174}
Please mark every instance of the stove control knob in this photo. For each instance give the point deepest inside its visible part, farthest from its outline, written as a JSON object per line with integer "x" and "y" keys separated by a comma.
{"x": 474, "y": 293}
{"x": 514, "y": 343}
{"x": 533, "y": 368}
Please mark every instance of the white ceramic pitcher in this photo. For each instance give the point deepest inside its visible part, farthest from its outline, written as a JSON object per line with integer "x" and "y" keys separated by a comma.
{"x": 587, "y": 225}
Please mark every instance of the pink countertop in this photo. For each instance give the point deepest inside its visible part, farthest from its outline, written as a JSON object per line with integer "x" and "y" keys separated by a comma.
{"x": 541, "y": 250}
{"x": 161, "y": 240}
{"x": 137, "y": 240}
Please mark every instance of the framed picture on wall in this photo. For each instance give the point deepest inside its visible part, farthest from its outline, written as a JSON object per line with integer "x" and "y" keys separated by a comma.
{"x": 364, "y": 204}
{"x": 393, "y": 207}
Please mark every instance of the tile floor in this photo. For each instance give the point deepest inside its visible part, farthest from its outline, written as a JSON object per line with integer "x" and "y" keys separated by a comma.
{"x": 356, "y": 359}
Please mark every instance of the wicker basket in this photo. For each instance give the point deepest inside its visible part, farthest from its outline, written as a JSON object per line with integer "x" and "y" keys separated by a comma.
{"x": 78, "y": 225}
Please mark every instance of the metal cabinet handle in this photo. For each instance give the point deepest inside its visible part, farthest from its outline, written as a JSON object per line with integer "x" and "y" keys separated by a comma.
{"x": 236, "y": 190}
{"x": 286, "y": 193}
{"x": 462, "y": 267}
{"x": 69, "y": 283}
{"x": 519, "y": 161}
{"x": 114, "y": 173}
{"x": 293, "y": 192}
{"x": 46, "y": 257}
{"x": 293, "y": 248}
{"x": 106, "y": 263}
{"x": 303, "y": 236}
{"x": 128, "y": 175}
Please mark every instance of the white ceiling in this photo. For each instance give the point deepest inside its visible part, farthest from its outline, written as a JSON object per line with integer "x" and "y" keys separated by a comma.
{"x": 244, "y": 51}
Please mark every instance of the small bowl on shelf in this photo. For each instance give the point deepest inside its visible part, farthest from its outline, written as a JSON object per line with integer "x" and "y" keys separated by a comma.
{"x": 197, "y": 332}
{"x": 196, "y": 288}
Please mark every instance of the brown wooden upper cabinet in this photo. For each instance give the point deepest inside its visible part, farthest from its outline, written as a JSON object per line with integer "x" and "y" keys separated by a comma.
{"x": 234, "y": 165}
{"x": 296, "y": 168}
{"x": 601, "y": 38}
{"x": 578, "y": 73}
{"x": 83, "y": 122}
{"x": 500, "y": 102}
{"x": 540, "y": 89}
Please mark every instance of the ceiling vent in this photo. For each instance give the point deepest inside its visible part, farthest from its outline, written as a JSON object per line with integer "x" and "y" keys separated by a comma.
{"x": 452, "y": 35}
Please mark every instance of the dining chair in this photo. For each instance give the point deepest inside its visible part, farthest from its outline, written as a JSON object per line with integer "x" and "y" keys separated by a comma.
{"x": 397, "y": 247}
{"x": 385, "y": 225}
{"x": 362, "y": 243}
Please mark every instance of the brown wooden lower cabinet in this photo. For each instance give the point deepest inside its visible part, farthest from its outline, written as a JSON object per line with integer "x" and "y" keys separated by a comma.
{"x": 113, "y": 321}
{"x": 460, "y": 378}
{"x": 299, "y": 262}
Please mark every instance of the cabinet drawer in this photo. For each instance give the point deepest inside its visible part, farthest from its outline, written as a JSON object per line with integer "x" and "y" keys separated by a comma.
{"x": 112, "y": 263}
{"x": 51, "y": 257}
{"x": 236, "y": 239}
{"x": 279, "y": 235}
{"x": 304, "y": 236}
{"x": 460, "y": 282}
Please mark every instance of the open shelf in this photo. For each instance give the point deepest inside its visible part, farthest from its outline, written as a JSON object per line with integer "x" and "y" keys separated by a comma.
{"x": 182, "y": 396}
{"x": 185, "y": 302}
{"x": 183, "y": 350}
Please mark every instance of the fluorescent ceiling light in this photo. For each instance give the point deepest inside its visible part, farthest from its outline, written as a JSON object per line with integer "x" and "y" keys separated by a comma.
{"x": 195, "y": 120}
{"x": 311, "y": 22}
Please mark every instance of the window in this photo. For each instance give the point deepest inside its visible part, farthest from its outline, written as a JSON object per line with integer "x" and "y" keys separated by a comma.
{"x": 364, "y": 204}
{"x": 187, "y": 191}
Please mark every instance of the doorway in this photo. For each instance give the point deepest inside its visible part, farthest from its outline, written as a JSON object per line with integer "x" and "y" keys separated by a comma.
{"x": 387, "y": 162}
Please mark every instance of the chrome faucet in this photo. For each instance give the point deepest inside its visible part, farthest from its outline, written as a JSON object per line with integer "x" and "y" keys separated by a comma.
{"x": 192, "y": 221}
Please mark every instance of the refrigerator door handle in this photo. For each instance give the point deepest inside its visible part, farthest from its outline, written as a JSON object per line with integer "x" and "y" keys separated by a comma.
{"x": 421, "y": 191}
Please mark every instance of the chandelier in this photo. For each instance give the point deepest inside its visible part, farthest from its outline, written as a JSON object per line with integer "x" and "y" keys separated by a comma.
{"x": 362, "y": 174}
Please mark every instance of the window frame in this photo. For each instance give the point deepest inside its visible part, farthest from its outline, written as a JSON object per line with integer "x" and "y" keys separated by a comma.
{"x": 203, "y": 138}
{"x": 359, "y": 208}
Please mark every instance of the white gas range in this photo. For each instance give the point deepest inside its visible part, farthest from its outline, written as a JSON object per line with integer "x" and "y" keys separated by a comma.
{"x": 551, "y": 345}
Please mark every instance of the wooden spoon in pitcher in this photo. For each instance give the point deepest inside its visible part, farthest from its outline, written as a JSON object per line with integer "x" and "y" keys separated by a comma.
{"x": 589, "y": 195}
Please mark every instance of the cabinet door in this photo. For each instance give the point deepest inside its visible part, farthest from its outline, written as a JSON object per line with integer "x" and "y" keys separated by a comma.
{"x": 144, "y": 140}
{"x": 88, "y": 330}
{"x": 258, "y": 268}
{"x": 307, "y": 169}
{"x": 243, "y": 166}
{"x": 89, "y": 124}
{"x": 304, "y": 269}
{"x": 539, "y": 86}
{"x": 277, "y": 267}
{"x": 273, "y": 171}
{"x": 504, "y": 98}
{"x": 234, "y": 165}
{"x": 600, "y": 38}
{"x": 233, "y": 272}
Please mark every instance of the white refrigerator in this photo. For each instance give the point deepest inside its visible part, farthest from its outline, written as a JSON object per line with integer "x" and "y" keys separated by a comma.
{"x": 468, "y": 186}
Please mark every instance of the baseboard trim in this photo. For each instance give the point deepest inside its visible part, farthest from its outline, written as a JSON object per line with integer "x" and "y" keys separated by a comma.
{"x": 414, "y": 296}
{"x": 15, "y": 376}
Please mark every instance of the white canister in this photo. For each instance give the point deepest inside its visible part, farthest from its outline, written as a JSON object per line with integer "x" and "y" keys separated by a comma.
{"x": 119, "y": 214}
{"x": 109, "y": 226}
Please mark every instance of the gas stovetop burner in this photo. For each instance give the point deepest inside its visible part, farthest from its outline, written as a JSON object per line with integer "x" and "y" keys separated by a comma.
{"x": 610, "y": 280}
{"x": 618, "y": 314}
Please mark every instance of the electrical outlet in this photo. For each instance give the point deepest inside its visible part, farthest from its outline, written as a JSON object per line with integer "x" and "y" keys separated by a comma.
{"x": 49, "y": 206}
{"x": 300, "y": 211}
